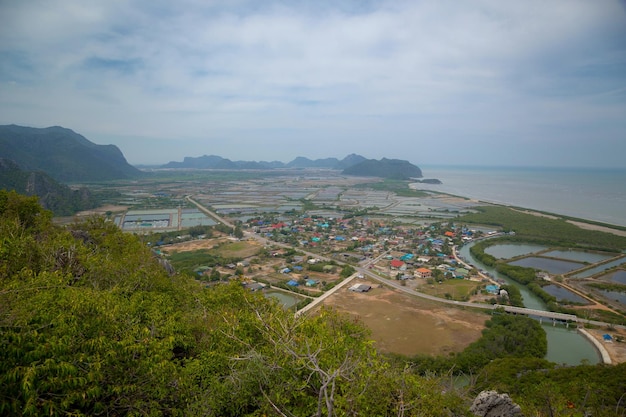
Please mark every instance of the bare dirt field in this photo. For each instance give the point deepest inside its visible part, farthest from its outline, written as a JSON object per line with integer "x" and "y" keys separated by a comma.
{"x": 227, "y": 247}
{"x": 409, "y": 325}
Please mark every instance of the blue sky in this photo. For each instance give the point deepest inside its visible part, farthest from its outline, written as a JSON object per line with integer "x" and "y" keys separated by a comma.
{"x": 484, "y": 82}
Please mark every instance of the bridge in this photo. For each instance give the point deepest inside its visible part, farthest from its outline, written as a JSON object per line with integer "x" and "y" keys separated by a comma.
{"x": 538, "y": 313}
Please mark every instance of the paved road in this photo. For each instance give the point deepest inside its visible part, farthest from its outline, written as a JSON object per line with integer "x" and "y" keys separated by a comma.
{"x": 327, "y": 294}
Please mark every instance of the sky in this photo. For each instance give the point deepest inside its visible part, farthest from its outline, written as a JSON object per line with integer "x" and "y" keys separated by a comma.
{"x": 441, "y": 82}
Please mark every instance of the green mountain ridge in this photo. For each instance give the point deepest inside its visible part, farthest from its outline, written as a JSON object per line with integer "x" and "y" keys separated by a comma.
{"x": 63, "y": 154}
{"x": 385, "y": 168}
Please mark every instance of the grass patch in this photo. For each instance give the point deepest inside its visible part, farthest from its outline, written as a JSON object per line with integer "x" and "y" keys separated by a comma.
{"x": 454, "y": 289}
{"x": 190, "y": 260}
{"x": 237, "y": 250}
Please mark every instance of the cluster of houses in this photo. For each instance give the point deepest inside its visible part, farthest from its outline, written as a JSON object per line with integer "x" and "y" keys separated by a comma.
{"x": 425, "y": 267}
{"x": 414, "y": 251}
{"x": 337, "y": 232}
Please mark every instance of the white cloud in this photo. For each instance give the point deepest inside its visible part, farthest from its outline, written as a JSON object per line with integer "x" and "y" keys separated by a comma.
{"x": 278, "y": 71}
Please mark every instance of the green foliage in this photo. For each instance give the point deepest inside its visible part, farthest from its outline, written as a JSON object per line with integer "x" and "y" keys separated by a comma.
{"x": 515, "y": 296}
{"x": 196, "y": 231}
{"x": 56, "y": 197}
{"x": 520, "y": 274}
{"x": 542, "y": 229}
{"x": 541, "y": 388}
{"x": 307, "y": 205}
{"x": 346, "y": 271}
{"x": 189, "y": 261}
{"x": 88, "y": 321}
{"x": 221, "y": 227}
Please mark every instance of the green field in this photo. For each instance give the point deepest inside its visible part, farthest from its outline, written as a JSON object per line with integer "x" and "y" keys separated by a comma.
{"x": 455, "y": 289}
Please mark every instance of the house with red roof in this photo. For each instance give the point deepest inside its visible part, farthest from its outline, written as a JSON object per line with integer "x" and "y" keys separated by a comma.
{"x": 396, "y": 263}
{"x": 423, "y": 273}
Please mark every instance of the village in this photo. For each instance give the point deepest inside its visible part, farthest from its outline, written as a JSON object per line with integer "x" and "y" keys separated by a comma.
{"x": 306, "y": 256}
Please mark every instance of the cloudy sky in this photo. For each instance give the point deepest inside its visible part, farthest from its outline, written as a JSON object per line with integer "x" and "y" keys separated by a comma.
{"x": 484, "y": 82}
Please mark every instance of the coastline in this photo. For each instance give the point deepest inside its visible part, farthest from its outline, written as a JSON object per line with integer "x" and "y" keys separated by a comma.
{"x": 589, "y": 195}
{"x": 597, "y": 227}
{"x": 581, "y": 223}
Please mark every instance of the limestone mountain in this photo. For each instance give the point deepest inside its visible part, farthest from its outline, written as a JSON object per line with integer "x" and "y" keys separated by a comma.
{"x": 58, "y": 198}
{"x": 385, "y": 168}
{"x": 63, "y": 154}
{"x": 301, "y": 162}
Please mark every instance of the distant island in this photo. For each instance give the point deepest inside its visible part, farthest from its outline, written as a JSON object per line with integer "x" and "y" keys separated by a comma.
{"x": 352, "y": 164}
{"x": 429, "y": 181}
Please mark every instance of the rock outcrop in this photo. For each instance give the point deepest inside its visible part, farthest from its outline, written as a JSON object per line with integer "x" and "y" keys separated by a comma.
{"x": 492, "y": 404}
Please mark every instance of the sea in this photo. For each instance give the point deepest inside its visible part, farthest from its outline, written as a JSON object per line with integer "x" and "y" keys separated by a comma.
{"x": 585, "y": 193}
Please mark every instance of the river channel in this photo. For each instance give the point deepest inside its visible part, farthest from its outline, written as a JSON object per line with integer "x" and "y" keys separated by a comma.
{"x": 565, "y": 345}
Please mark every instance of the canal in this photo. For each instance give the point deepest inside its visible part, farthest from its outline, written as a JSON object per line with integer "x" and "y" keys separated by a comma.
{"x": 565, "y": 346}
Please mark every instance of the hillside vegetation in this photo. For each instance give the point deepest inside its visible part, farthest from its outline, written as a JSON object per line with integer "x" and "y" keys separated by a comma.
{"x": 53, "y": 196}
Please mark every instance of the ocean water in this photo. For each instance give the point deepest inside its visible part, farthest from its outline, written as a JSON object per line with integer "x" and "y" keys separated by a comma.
{"x": 593, "y": 194}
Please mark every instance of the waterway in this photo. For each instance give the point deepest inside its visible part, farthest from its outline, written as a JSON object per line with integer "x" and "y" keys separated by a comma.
{"x": 512, "y": 250}
{"x": 553, "y": 266}
{"x": 589, "y": 272}
{"x": 565, "y": 346}
{"x": 287, "y": 300}
{"x": 617, "y": 276}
